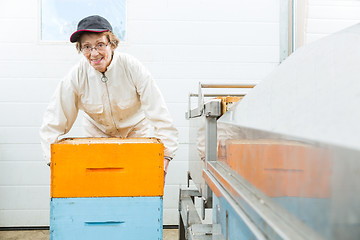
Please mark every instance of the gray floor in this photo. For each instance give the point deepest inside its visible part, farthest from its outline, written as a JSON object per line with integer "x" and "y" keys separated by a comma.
{"x": 169, "y": 234}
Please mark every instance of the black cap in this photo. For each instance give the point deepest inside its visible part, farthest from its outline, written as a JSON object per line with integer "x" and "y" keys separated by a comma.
{"x": 91, "y": 24}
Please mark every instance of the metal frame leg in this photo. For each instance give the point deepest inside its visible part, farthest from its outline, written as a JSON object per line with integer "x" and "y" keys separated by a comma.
{"x": 181, "y": 229}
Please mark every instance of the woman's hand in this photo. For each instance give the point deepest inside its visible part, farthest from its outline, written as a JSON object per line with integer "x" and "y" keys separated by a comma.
{"x": 166, "y": 164}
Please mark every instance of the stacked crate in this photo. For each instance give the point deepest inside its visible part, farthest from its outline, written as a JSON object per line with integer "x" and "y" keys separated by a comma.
{"x": 106, "y": 188}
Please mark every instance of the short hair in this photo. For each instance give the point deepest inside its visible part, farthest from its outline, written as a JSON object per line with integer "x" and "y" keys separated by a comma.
{"x": 113, "y": 40}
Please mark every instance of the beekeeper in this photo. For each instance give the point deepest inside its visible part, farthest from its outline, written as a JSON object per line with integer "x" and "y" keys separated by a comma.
{"x": 114, "y": 90}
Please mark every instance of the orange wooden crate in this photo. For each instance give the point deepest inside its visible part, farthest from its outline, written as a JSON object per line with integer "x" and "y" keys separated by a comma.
{"x": 281, "y": 168}
{"x": 107, "y": 167}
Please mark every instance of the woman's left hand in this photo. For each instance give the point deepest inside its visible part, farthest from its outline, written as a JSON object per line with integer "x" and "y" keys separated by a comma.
{"x": 166, "y": 164}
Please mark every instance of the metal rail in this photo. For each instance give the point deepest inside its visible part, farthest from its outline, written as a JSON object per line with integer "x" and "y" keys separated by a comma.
{"x": 278, "y": 219}
{"x": 217, "y": 188}
{"x": 218, "y": 95}
{"x": 205, "y": 85}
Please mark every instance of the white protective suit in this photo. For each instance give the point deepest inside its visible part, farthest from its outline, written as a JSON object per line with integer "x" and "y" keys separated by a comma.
{"x": 123, "y": 102}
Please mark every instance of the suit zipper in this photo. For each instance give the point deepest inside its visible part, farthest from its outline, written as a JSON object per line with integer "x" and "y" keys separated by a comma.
{"x": 104, "y": 79}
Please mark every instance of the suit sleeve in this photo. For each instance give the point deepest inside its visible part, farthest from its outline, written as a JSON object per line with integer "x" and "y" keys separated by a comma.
{"x": 60, "y": 114}
{"x": 154, "y": 106}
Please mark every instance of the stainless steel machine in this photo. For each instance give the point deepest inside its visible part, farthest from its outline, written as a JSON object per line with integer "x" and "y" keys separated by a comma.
{"x": 284, "y": 162}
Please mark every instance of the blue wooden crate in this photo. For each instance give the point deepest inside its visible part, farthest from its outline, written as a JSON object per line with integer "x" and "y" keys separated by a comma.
{"x": 128, "y": 218}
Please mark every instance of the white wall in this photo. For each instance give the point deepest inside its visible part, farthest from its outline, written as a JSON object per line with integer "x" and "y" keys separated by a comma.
{"x": 182, "y": 42}
{"x": 329, "y": 16}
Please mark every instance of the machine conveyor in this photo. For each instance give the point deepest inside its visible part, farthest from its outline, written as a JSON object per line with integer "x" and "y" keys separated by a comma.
{"x": 282, "y": 163}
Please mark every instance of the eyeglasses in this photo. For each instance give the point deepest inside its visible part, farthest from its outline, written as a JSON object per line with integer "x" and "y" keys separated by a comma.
{"x": 98, "y": 47}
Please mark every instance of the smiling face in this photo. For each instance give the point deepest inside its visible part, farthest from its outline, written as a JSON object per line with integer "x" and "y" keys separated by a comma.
{"x": 99, "y": 59}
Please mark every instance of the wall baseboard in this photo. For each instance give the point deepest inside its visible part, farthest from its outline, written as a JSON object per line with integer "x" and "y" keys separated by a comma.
{"x": 47, "y": 228}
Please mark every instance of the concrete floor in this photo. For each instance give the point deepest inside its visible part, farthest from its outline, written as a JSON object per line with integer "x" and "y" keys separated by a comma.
{"x": 169, "y": 234}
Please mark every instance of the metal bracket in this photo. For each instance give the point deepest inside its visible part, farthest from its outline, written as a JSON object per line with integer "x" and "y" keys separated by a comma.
{"x": 188, "y": 178}
{"x": 198, "y": 111}
{"x": 187, "y": 211}
{"x": 190, "y": 225}
{"x": 205, "y": 232}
